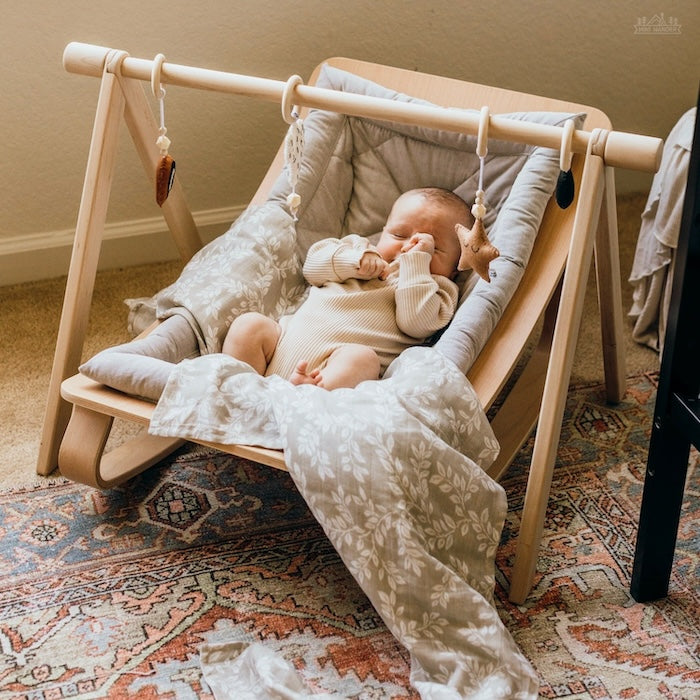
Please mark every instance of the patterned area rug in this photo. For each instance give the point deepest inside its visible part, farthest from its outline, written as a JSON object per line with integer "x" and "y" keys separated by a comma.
{"x": 111, "y": 594}
{"x": 580, "y": 627}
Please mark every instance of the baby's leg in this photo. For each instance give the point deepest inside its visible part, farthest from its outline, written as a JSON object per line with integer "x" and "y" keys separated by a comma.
{"x": 142, "y": 366}
{"x": 346, "y": 368}
{"x": 252, "y": 338}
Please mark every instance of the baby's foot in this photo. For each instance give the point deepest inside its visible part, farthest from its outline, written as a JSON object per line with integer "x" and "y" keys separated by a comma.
{"x": 300, "y": 376}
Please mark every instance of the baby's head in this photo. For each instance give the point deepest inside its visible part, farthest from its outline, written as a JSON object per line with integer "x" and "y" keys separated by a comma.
{"x": 432, "y": 210}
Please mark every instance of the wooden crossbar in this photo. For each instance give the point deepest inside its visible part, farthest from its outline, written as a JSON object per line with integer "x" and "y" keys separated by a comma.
{"x": 620, "y": 149}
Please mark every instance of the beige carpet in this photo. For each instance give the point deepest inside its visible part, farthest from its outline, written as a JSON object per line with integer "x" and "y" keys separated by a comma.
{"x": 30, "y": 313}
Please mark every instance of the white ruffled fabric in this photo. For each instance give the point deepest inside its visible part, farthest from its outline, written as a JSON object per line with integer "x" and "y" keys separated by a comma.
{"x": 250, "y": 671}
{"x": 652, "y": 269}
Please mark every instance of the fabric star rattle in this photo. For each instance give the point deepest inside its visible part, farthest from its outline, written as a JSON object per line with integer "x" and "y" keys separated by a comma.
{"x": 477, "y": 250}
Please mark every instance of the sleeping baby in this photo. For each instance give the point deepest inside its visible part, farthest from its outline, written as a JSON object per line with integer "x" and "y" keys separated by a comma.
{"x": 366, "y": 303}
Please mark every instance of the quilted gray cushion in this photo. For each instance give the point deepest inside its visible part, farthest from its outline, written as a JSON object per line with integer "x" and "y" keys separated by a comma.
{"x": 354, "y": 169}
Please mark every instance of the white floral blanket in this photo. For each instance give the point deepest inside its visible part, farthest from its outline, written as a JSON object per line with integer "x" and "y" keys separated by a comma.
{"x": 393, "y": 471}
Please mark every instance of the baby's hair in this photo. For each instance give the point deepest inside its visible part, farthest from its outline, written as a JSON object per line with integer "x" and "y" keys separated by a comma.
{"x": 440, "y": 195}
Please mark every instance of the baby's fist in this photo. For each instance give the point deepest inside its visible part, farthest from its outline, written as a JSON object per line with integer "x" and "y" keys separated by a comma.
{"x": 371, "y": 266}
{"x": 423, "y": 242}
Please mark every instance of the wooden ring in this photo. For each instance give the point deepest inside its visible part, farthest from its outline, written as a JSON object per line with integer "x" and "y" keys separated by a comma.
{"x": 483, "y": 133}
{"x": 157, "y": 89}
{"x": 289, "y": 111}
{"x": 566, "y": 154}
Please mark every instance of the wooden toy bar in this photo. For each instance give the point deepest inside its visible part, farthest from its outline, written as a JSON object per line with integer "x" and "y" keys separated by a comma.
{"x": 618, "y": 149}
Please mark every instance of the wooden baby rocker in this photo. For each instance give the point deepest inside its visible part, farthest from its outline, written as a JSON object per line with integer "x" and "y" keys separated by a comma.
{"x": 553, "y": 283}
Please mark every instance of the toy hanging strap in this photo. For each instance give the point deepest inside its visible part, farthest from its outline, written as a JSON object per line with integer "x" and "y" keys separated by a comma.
{"x": 165, "y": 170}
{"x": 477, "y": 250}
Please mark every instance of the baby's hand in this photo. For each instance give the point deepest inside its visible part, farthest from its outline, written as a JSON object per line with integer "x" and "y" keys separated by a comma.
{"x": 371, "y": 266}
{"x": 420, "y": 241}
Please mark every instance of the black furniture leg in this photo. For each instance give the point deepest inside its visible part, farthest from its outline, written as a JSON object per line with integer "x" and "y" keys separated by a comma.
{"x": 676, "y": 415}
{"x": 660, "y": 513}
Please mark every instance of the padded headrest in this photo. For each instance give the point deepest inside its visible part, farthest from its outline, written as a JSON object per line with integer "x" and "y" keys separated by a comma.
{"x": 353, "y": 170}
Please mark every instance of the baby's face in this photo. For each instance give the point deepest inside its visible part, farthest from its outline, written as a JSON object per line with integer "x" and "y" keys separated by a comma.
{"x": 413, "y": 213}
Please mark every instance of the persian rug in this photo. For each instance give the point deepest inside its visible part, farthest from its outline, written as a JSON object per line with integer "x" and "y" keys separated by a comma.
{"x": 111, "y": 594}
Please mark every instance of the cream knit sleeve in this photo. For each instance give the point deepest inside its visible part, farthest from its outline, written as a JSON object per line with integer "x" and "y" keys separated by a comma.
{"x": 425, "y": 303}
{"x": 335, "y": 259}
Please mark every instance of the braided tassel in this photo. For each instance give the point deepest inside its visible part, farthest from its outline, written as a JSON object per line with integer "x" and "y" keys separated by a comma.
{"x": 293, "y": 152}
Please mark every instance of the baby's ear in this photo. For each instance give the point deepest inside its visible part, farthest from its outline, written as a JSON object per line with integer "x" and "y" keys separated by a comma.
{"x": 477, "y": 250}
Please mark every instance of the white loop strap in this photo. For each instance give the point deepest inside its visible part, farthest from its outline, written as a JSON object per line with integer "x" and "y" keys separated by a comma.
{"x": 289, "y": 111}
{"x": 114, "y": 60}
{"x": 483, "y": 133}
{"x": 598, "y": 142}
{"x": 157, "y": 89}
{"x": 566, "y": 154}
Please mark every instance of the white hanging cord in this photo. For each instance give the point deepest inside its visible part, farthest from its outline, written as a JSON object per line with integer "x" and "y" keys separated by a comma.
{"x": 479, "y": 208}
{"x": 293, "y": 143}
{"x": 566, "y": 154}
{"x": 163, "y": 142}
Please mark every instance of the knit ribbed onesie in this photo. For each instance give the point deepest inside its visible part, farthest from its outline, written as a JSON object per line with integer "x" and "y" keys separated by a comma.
{"x": 386, "y": 315}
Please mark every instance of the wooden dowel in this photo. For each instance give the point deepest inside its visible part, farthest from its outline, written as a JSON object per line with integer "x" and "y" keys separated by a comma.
{"x": 622, "y": 150}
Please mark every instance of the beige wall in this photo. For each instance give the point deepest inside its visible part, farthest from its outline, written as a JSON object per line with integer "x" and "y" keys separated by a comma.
{"x": 587, "y": 52}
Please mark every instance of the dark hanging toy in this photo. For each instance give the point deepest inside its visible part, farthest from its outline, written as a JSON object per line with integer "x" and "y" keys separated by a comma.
{"x": 165, "y": 176}
{"x": 566, "y": 189}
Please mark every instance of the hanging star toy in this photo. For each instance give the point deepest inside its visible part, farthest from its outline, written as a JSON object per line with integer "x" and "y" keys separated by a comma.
{"x": 477, "y": 251}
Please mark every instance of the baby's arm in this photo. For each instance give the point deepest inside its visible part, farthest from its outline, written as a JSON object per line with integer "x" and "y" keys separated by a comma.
{"x": 425, "y": 303}
{"x": 340, "y": 259}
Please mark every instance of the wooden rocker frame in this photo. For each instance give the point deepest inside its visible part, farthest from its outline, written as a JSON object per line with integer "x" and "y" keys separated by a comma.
{"x": 80, "y": 412}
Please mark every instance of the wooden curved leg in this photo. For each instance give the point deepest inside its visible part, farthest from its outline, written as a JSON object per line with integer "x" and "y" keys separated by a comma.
{"x": 118, "y": 97}
{"x": 83, "y": 267}
{"x": 557, "y": 380}
{"x": 81, "y": 456}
